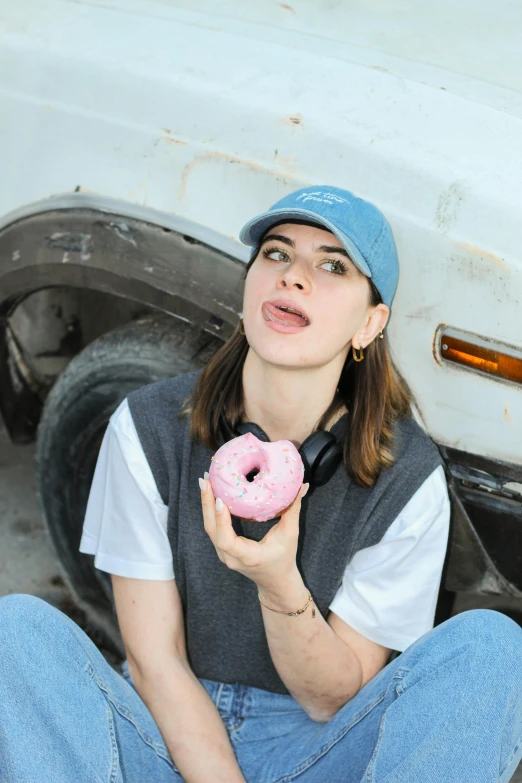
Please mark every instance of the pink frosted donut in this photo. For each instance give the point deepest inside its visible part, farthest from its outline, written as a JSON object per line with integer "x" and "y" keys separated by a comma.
{"x": 273, "y": 488}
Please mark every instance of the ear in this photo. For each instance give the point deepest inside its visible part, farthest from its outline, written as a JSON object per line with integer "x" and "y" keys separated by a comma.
{"x": 375, "y": 322}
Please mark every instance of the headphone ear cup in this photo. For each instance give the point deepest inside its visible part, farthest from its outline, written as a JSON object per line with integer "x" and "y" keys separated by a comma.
{"x": 249, "y": 426}
{"x": 321, "y": 455}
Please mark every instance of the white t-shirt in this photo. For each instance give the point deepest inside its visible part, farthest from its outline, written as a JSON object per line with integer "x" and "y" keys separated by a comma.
{"x": 388, "y": 592}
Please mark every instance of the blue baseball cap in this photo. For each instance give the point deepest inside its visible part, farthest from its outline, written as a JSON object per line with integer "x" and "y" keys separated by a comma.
{"x": 361, "y": 228}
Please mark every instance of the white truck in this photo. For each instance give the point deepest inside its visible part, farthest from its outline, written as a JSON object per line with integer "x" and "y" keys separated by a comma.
{"x": 136, "y": 136}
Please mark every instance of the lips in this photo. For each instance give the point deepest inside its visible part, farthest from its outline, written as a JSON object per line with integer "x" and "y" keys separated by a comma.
{"x": 285, "y": 312}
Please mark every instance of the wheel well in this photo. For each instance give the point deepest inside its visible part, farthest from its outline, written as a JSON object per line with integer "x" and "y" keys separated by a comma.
{"x": 51, "y": 326}
{"x": 54, "y": 324}
{"x": 69, "y": 276}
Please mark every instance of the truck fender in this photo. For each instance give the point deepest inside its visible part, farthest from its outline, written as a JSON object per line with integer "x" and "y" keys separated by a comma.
{"x": 78, "y": 242}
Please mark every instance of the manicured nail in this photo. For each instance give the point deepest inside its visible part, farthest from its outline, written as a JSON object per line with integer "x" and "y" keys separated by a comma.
{"x": 202, "y": 485}
{"x": 219, "y": 505}
{"x": 306, "y": 488}
{"x": 205, "y": 475}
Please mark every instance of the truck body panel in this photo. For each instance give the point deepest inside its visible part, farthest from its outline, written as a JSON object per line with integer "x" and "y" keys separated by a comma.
{"x": 209, "y": 116}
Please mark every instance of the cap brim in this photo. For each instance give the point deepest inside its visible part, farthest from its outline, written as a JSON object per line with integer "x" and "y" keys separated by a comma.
{"x": 252, "y": 231}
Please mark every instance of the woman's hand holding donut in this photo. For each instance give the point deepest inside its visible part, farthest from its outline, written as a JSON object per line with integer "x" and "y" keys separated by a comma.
{"x": 271, "y": 562}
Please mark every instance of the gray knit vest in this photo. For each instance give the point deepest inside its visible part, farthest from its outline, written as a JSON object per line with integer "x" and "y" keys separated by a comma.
{"x": 224, "y": 628}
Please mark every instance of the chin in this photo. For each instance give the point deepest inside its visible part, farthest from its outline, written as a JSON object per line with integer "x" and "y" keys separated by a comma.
{"x": 282, "y": 357}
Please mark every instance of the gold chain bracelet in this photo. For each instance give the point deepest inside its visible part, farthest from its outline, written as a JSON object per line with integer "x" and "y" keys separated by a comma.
{"x": 292, "y": 614}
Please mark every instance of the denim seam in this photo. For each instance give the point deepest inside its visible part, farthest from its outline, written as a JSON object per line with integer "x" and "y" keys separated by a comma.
{"x": 379, "y": 239}
{"x": 371, "y": 764}
{"x": 235, "y": 722}
{"x": 231, "y": 727}
{"x": 307, "y": 763}
{"x": 400, "y": 690}
{"x": 515, "y": 752}
{"x": 127, "y": 714}
{"x": 115, "y": 760}
{"x": 242, "y": 698}
{"x": 219, "y": 694}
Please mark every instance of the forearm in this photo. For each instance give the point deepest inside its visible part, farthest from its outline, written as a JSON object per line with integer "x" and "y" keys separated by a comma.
{"x": 189, "y": 723}
{"x": 317, "y": 667}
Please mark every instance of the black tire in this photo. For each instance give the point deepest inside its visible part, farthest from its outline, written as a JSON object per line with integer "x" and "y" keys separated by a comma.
{"x": 72, "y": 426}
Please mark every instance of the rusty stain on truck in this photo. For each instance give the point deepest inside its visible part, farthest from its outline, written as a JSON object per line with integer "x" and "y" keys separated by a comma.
{"x": 232, "y": 159}
{"x": 292, "y": 119}
{"x": 288, "y": 164}
{"x": 171, "y": 139}
{"x": 486, "y": 254}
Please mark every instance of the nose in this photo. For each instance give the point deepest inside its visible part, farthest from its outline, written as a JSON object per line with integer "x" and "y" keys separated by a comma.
{"x": 294, "y": 276}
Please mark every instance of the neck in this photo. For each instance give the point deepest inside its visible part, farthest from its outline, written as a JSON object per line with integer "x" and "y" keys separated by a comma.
{"x": 287, "y": 403}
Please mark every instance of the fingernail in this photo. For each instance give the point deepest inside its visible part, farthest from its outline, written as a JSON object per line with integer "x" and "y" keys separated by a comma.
{"x": 202, "y": 485}
{"x": 205, "y": 474}
{"x": 306, "y": 488}
{"x": 219, "y": 505}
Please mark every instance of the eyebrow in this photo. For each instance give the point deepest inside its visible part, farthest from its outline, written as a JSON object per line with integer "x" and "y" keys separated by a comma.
{"x": 279, "y": 238}
{"x": 321, "y": 249}
{"x": 332, "y": 249}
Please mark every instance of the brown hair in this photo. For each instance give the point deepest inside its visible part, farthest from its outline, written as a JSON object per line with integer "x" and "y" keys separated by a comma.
{"x": 373, "y": 392}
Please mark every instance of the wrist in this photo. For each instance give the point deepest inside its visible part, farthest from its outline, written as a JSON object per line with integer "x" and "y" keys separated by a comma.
{"x": 287, "y": 595}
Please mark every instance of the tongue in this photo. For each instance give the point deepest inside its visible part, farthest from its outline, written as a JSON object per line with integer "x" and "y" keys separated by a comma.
{"x": 285, "y": 318}
{"x": 291, "y": 318}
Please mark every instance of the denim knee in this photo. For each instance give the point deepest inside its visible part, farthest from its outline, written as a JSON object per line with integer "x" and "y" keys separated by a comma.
{"x": 488, "y": 623}
{"x": 480, "y": 636}
{"x": 19, "y": 607}
{"x": 491, "y": 633}
{"x": 31, "y": 629}
{"x": 24, "y": 621}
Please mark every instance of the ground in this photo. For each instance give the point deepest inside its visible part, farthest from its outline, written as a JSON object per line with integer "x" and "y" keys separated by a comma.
{"x": 27, "y": 561}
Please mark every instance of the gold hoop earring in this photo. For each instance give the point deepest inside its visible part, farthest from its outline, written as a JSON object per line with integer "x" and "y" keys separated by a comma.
{"x": 360, "y": 357}
{"x": 241, "y": 327}
{"x": 381, "y": 335}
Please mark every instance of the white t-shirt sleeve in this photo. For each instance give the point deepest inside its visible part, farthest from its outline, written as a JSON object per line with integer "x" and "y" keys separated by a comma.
{"x": 125, "y": 525}
{"x": 389, "y": 590}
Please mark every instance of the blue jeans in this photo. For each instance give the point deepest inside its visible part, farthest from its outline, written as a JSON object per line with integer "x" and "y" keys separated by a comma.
{"x": 449, "y": 709}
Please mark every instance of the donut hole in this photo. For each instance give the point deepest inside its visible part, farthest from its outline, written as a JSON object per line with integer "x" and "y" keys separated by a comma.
{"x": 252, "y": 474}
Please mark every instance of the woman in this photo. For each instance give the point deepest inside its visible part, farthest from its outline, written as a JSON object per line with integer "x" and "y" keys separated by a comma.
{"x": 260, "y": 650}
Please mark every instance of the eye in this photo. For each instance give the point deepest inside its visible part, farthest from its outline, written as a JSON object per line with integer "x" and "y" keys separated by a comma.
{"x": 337, "y": 267}
{"x": 275, "y": 254}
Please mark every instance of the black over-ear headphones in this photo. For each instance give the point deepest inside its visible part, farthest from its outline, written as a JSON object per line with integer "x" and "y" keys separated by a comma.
{"x": 320, "y": 452}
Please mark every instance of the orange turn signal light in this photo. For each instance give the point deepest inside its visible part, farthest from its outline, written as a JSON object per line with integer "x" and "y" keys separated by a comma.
{"x": 476, "y": 353}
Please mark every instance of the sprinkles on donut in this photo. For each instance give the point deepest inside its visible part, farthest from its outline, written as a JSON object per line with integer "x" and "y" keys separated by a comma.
{"x": 256, "y": 480}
